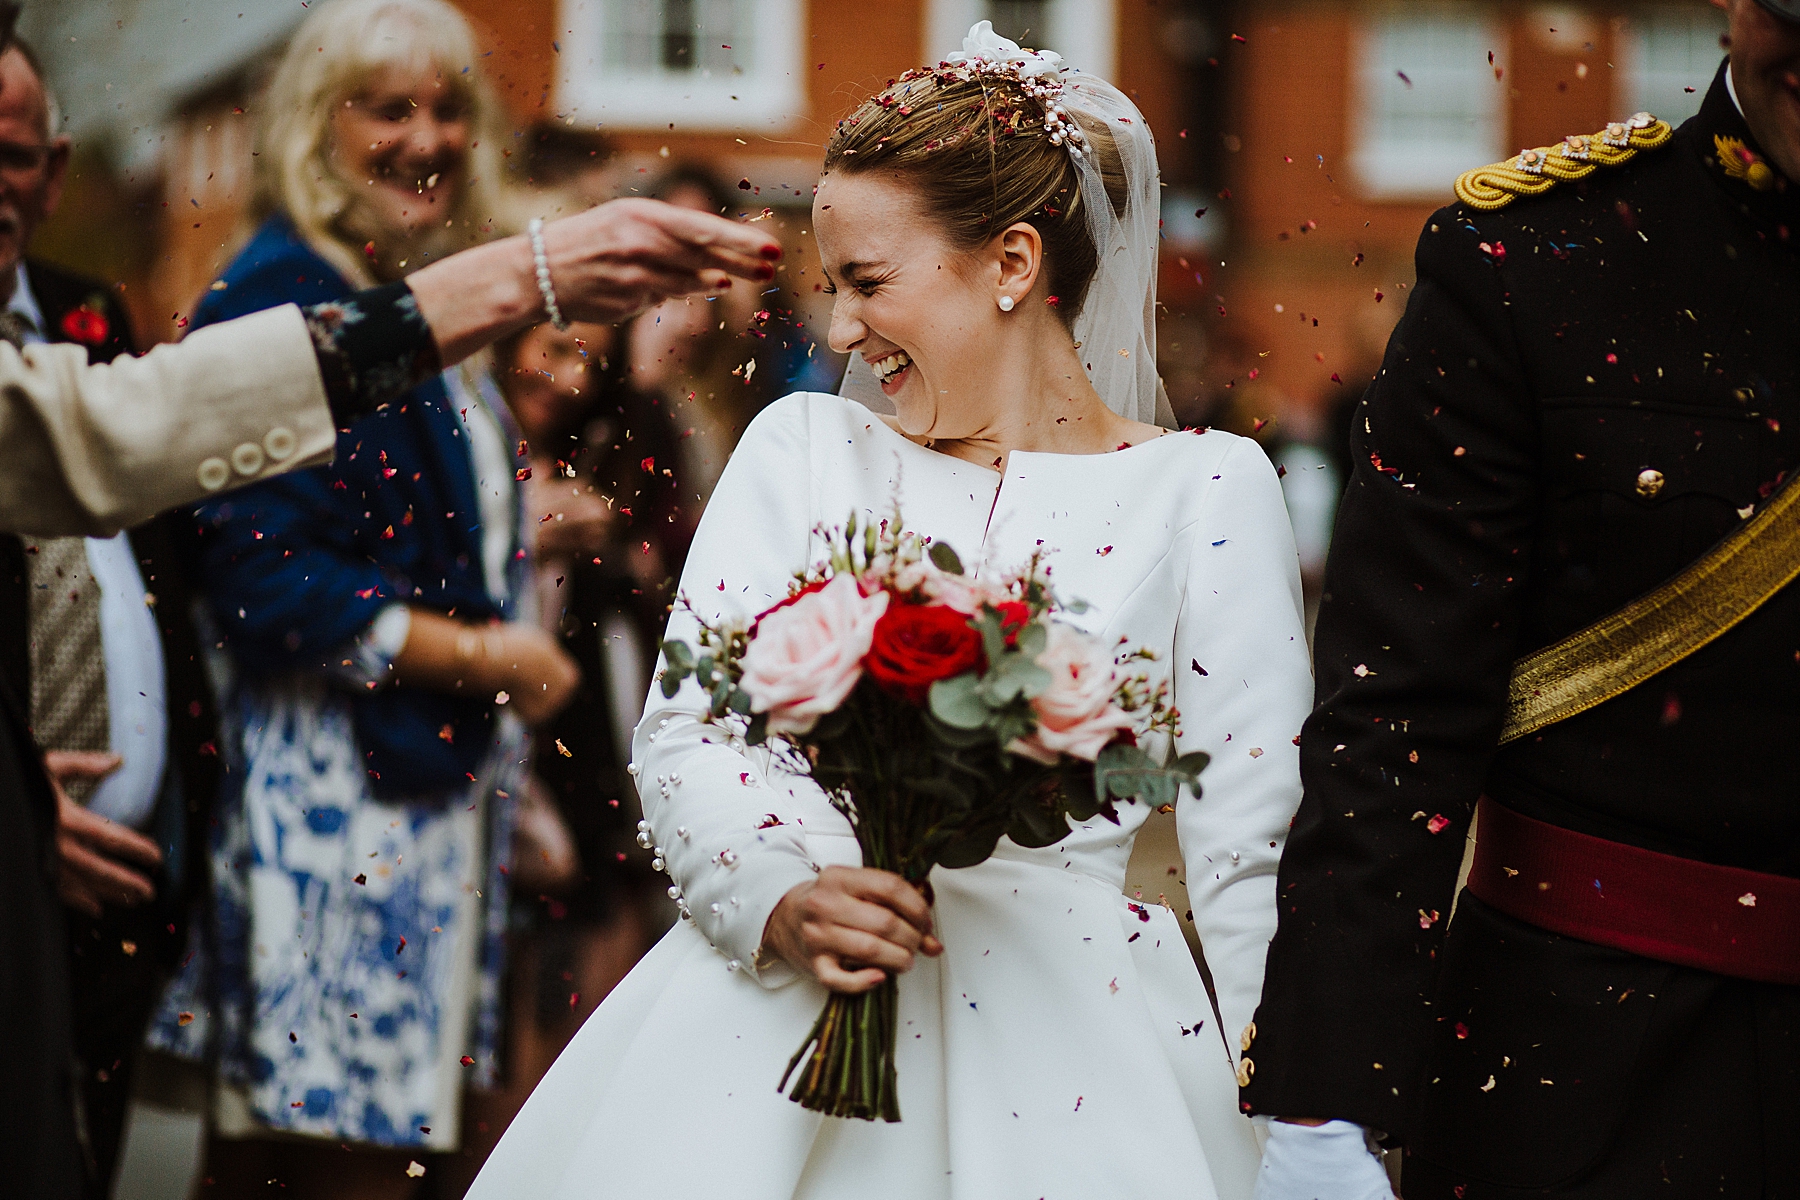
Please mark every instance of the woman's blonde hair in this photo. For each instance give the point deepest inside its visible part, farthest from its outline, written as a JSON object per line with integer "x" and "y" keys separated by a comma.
{"x": 332, "y": 56}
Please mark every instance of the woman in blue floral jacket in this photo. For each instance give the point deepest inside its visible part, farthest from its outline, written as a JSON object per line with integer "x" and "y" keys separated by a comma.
{"x": 379, "y": 664}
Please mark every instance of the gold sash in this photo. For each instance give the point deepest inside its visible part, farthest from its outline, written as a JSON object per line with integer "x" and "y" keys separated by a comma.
{"x": 1655, "y": 631}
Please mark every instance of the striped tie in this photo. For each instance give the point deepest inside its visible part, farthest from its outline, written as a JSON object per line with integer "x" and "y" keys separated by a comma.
{"x": 68, "y": 664}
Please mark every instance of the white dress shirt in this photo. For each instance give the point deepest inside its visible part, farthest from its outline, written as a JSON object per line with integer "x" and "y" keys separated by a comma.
{"x": 136, "y": 714}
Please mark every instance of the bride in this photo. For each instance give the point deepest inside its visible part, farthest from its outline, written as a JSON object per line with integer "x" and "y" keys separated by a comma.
{"x": 989, "y": 230}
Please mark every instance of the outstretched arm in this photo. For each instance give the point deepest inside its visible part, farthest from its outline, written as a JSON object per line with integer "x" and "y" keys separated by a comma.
{"x": 88, "y": 450}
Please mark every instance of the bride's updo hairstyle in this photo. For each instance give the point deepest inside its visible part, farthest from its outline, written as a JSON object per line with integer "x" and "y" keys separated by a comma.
{"x": 983, "y": 153}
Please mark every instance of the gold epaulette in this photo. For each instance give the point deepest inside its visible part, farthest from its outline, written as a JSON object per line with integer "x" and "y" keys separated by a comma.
{"x": 1533, "y": 172}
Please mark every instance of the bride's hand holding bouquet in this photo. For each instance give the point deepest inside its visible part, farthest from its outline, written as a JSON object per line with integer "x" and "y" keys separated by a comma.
{"x": 939, "y": 711}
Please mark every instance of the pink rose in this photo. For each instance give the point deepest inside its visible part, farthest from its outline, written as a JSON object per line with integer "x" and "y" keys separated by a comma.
{"x": 962, "y": 592}
{"x": 807, "y": 655}
{"x": 1076, "y": 714}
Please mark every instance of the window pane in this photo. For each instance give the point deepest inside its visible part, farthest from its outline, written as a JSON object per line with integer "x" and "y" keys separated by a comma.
{"x": 708, "y": 64}
{"x": 633, "y": 32}
{"x": 1673, "y": 50}
{"x": 1024, "y": 21}
{"x": 1429, "y": 103}
{"x": 680, "y": 37}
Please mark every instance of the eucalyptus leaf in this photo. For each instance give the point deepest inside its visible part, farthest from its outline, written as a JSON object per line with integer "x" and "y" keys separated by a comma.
{"x": 945, "y": 559}
{"x": 1157, "y": 788}
{"x": 1036, "y": 825}
{"x": 1187, "y": 769}
{"x": 1011, "y": 675}
{"x": 1078, "y": 799}
{"x": 958, "y": 737}
{"x": 957, "y": 702}
{"x": 1032, "y": 639}
{"x": 970, "y": 848}
{"x": 1033, "y": 679}
{"x": 678, "y": 666}
{"x": 1117, "y": 771}
{"x": 1013, "y": 722}
{"x": 993, "y": 639}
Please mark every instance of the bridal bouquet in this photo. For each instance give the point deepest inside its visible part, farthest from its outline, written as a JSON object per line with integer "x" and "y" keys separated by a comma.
{"x": 939, "y": 712}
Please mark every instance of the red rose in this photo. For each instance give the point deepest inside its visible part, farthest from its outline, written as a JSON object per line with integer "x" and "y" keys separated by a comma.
{"x": 1014, "y": 616}
{"x": 86, "y": 326}
{"x": 918, "y": 644}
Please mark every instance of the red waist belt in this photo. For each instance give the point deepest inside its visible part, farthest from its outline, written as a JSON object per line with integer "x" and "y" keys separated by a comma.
{"x": 1745, "y": 924}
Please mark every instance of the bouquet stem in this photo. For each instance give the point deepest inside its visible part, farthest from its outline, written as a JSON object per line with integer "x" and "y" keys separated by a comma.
{"x": 851, "y": 1069}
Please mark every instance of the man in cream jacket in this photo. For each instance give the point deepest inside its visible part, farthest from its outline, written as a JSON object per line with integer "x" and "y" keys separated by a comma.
{"x": 87, "y": 450}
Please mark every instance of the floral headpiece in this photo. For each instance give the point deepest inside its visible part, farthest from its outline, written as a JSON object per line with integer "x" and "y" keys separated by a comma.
{"x": 1039, "y": 74}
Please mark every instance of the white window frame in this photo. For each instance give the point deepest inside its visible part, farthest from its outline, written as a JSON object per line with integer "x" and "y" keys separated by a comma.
{"x": 1634, "y": 81}
{"x": 1396, "y": 170}
{"x": 769, "y": 98}
{"x": 1084, "y": 32}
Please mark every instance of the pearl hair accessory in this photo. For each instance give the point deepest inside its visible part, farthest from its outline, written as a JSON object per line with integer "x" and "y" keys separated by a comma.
{"x": 1006, "y": 304}
{"x": 1039, "y": 74}
{"x": 535, "y": 232}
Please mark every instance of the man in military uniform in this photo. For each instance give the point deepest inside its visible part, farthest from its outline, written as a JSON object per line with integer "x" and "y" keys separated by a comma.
{"x": 1596, "y": 386}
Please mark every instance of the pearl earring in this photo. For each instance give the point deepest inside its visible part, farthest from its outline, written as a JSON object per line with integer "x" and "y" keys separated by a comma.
{"x": 1006, "y": 304}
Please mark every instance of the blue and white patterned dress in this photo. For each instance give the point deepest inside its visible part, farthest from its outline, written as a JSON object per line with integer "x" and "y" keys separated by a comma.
{"x": 347, "y": 980}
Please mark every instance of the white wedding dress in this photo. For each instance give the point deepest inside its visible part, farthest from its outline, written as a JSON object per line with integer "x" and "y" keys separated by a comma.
{"x": 1063, "y": 1046}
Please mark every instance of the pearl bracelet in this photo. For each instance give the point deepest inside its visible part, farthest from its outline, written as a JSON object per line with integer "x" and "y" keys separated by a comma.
{"x": 535, "y": 231}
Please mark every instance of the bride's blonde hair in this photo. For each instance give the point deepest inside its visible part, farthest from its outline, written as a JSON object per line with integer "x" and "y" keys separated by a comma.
{"x": 978, "y": 154}
{"x": 334, "y": 54}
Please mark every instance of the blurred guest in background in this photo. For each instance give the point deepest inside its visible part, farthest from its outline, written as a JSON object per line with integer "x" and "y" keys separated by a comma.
{"x": 380, "y": 653}
{"x": 609, "y": 536}
{"x": 574, "y": 165}
{"x": 603, "y": 498}
{"x": 696, "y": 359}
{"x": 99, "y": 644}
{"x": 1298, "y": 443}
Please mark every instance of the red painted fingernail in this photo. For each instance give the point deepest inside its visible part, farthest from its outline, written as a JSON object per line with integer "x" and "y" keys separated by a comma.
{"x": 765, "y": 272}
{"x": 771, "y": 252}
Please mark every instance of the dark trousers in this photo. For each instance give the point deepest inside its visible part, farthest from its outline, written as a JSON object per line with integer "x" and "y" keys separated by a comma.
{"x": 39, "y": 1153}
{"x": 117, "y": 970}
{"x": 1570, "y": 1070}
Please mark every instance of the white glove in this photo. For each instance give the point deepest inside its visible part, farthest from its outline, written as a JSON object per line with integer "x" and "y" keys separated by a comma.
{"x": 1320, "y": 1162}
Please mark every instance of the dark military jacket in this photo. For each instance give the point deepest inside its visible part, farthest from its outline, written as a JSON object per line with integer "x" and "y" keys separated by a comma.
{"x": 1587, "y": 390}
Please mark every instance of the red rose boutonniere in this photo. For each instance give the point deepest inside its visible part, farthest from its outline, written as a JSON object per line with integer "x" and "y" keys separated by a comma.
{"x": 86, "y": 326}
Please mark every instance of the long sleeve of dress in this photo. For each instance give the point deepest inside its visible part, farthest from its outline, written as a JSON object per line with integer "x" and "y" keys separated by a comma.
{"x": 708, "y": 803}
{"x": 1243, "y": 685}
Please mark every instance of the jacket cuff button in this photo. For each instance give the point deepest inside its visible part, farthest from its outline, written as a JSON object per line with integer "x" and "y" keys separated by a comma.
{"x": 214, "y": 474}
{"x": 280, "y": 442}
{"x": 247, "y": 459}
